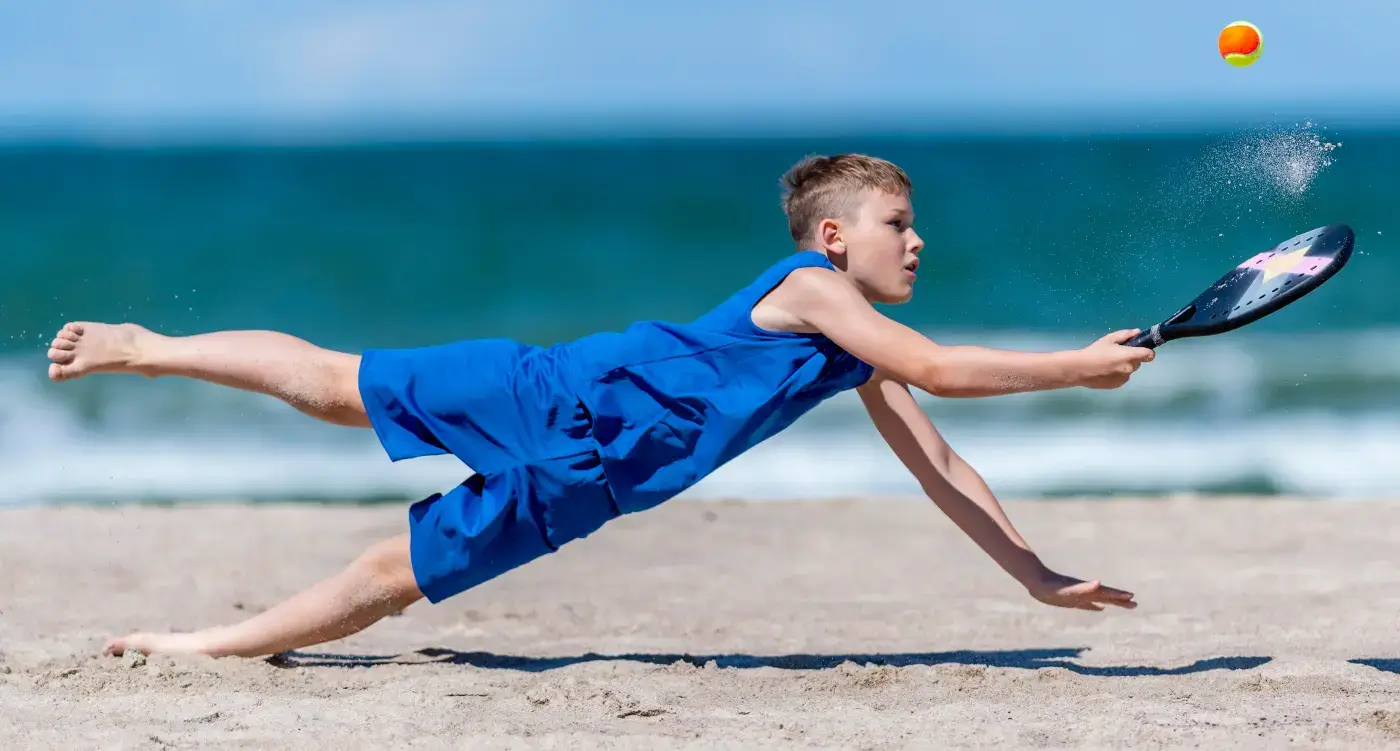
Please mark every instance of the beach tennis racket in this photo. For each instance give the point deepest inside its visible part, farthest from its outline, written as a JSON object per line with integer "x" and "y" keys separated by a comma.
{"x": 1261, "y": 285}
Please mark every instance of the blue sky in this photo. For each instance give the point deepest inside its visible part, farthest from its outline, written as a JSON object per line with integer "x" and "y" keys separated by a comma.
{"x": 556, "y": 65}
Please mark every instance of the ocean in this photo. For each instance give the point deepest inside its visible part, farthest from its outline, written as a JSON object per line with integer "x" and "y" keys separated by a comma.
{"x": 1032, "y": 242}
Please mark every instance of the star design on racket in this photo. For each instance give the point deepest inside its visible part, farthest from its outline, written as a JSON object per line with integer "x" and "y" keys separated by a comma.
{"x": 1284, "y": 262}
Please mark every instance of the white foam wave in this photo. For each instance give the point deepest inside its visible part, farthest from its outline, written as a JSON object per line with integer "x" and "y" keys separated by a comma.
{"x": 1315, "y": 455}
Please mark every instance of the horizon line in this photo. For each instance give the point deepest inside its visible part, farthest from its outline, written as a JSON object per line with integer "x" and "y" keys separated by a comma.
{"x": 1015, "y": 120}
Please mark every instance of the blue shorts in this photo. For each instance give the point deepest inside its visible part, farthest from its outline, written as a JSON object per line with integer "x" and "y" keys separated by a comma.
{"x": 502, "y": 409}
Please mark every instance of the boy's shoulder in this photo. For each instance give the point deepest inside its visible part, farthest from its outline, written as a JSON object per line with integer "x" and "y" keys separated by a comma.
{"x": 814, "y": 293}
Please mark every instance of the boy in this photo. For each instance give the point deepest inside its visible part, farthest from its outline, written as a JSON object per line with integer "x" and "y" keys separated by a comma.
{"x": 564, "y": 438}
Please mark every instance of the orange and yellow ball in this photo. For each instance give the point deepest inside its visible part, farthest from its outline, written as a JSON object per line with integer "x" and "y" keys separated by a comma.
{"x": 1241, "y": 43}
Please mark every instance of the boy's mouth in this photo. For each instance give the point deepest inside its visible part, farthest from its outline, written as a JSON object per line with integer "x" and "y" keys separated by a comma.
{"x": 912, "y": 266}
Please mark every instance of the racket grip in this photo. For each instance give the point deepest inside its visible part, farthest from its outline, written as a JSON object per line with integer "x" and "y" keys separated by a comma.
{"x": 1144, "y": 339}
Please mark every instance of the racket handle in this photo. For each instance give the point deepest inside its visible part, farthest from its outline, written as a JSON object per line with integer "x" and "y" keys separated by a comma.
{"x": 1144, "y": 339}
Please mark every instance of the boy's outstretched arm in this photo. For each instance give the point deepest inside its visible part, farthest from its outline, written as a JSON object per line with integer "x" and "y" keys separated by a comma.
{"x": 823, "y": 300}
{"x": 961, "y": 493}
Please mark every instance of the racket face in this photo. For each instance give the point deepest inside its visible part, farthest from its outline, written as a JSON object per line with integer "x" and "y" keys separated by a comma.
{"x": 1265, "y": 282}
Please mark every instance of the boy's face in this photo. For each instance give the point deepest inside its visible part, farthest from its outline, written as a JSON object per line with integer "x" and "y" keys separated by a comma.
{"x": 880, "y": 247}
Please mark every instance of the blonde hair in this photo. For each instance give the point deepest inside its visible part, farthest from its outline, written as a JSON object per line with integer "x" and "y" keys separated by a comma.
{"x": 821, "y": 187}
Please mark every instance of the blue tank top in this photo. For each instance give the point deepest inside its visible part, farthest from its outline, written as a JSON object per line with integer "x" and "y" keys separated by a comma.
{"x": 673, "y": 402}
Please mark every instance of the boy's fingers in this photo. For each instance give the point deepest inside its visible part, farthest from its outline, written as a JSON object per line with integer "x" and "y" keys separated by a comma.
{"x": 1093, "y": 596}
{"x": 1080, "y": 588}
{"x": 1098, "y": 589}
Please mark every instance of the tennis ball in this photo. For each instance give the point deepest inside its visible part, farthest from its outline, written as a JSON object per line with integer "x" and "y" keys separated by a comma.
{"x": 1241, "y": 43}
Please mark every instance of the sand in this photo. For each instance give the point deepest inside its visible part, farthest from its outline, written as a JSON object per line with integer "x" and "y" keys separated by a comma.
{"x": 860, "y": 624}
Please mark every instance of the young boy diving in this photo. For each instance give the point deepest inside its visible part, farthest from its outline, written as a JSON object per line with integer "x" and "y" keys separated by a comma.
{"x": 562, "y": 439}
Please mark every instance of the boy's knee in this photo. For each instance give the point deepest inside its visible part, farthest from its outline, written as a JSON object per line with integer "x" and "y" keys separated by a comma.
{"x": 390, "y": 562}
{"x": 336, "y": 395}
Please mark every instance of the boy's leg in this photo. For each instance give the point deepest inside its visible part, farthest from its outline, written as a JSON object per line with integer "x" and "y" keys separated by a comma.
{"x": 380, "y": 582}
{"x": 319, "y": 382}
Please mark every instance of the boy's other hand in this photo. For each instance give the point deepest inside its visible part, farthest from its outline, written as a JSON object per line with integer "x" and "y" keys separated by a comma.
{"x": 1068, "y": 592}
{"x": 1107, "y": 364}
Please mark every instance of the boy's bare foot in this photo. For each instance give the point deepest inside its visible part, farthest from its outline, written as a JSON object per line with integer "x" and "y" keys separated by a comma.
{"x": 83, "y": 348}
{"x": 195, "y": 643}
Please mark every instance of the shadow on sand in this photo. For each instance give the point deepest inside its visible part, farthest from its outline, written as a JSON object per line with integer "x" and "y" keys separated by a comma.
{"x": 1031, "y": 659}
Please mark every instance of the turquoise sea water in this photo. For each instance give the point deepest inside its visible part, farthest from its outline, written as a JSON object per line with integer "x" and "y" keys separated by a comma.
{"x": 1032, "y": 242}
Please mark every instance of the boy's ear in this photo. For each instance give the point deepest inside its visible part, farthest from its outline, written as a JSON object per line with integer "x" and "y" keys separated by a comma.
{"x": 829, "y": 236}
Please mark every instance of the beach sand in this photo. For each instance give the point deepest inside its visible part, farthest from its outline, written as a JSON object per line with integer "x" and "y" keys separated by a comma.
{"x": 860, "y": 624}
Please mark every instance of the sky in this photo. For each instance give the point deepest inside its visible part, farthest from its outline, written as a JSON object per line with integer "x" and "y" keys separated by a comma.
{"x": 521, "y": 66}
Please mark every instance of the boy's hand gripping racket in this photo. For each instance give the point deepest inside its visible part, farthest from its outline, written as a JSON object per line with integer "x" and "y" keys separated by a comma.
{"x": 1259, "y": 286}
